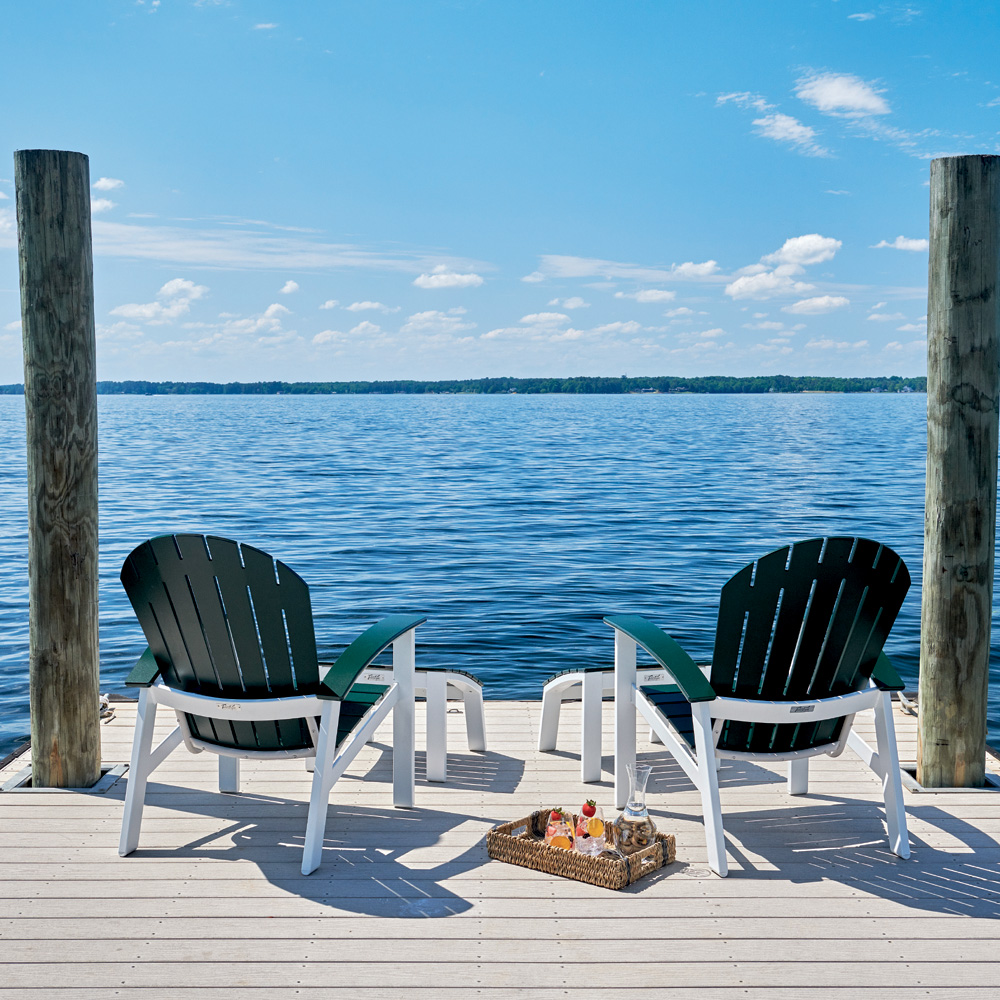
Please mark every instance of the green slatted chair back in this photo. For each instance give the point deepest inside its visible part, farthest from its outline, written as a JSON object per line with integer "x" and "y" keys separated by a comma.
{"x": 226, "y": 620}
{"x": 806, "y": 621}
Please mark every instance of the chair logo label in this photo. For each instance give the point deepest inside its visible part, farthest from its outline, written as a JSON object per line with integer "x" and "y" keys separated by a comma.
{"x": 795, "y": 709}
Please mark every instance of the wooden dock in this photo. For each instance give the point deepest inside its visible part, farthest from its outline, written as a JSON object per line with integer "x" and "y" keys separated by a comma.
{"x": 213, "y": 906}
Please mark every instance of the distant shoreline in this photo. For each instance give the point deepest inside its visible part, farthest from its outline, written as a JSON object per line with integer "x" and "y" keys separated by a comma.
{"x": 580, "y": 385}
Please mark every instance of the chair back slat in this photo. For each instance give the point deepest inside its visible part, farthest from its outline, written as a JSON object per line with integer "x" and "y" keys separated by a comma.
{"x": 160, "y": 593}
{"x": 226, "y": 619}
{"x": 804, "y": 622}
{"x": 194, "y": 571}
{"x": 229, "y": 575}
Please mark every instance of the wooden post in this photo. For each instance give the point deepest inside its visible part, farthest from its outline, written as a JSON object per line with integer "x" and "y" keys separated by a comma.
{"x": 963, "y": 386}
{"x": 60, "y": 398}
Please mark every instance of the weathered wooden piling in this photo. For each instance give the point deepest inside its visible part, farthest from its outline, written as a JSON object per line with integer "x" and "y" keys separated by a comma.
{"x": 60, "y": 390}
{"x": 963, "y": 387}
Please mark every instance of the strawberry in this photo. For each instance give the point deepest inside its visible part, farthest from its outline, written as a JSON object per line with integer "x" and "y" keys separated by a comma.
{"x": 555, "y": 816}
{"x": 589, "y": 808}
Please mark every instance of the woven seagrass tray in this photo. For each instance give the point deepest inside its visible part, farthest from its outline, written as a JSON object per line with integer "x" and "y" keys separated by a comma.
{"x": 522, "y": 843}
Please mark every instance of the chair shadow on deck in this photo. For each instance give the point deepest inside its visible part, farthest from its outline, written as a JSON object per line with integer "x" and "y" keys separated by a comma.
{"x": 837, "y": 838}
{"x": 364, "y": 869}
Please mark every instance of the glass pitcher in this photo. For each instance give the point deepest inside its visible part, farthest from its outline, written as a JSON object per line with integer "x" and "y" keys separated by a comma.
{"x": 634, "y": 830}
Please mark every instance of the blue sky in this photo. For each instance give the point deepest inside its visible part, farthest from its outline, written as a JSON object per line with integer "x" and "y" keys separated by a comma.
{"x": 361, "y": 190}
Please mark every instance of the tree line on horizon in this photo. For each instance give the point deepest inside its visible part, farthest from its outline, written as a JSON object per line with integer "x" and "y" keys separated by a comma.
{"x": 582, "y": 384}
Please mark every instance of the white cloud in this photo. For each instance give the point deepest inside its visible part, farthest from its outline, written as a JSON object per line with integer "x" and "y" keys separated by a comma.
{"x": 767, "y": 285}
{"x": 534, "y": 277}
{"x": 841, "y": 95}
{"x": 269, "y": 26}
{"x": 861, "y": 17}
{"x": 575, "y": 302}
{"x": 544, "y": 319}
{"x": 242, "y": 247}
{"x": 289, "y": 286}
{"x": 832, "y": 191}
{"x": 628, "y": 326}
{"x": 329, "y": 304}
{"x": 367, "y": 306}
{"x": 16, "y": 325}
{"x": 101, "y": 205}
{"x": 442, "y": 277}
{"x": 744, "y": 99}
{"x": 691, "y": 270}
{"x": 903, "y": 243}
{"x": 827, "y": 344}
{"x": 326, "y": 336}
{"x": 785, "y": 128}
{"x": 766, "y": 324}
{"x": 434, "y": 321}
{"x": 173, "y": 300}
{"x": 4, "y": 197}
{"x": 913, "y": 327}
{"x": 107, "y": 184}
{"x": 648, "y": 295}
{"x": 803, "y": 250}
{"x": 365, "y": 329}
{"x": 817, "y": 305}
{"x": 887, "y": 317}
{"x": 679, "y": 311}
{"x": 758, "y": 282}
{"x": 567, "y": 266}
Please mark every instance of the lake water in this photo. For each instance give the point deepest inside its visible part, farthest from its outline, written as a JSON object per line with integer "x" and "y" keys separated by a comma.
{"x": 514, "y": 522}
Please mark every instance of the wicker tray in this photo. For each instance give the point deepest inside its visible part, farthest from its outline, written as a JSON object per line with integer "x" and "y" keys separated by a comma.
{"x": 522, "y": 843}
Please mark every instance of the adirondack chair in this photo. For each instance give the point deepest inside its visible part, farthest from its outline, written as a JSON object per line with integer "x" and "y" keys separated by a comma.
{"x": 798, "y": 652}
{"x": 232, "y": 651}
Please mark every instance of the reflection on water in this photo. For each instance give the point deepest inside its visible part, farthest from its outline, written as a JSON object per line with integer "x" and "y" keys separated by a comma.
{"x": 514, "y": 522}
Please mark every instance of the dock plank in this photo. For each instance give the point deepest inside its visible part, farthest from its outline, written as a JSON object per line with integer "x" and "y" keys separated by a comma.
{"x": 815, "y": 905}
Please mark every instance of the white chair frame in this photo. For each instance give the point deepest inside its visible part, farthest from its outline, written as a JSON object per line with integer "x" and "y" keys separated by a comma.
{"x": 436, "y": 686}
{"x": 327, "y": 761}
{"x": 701, "y": 766}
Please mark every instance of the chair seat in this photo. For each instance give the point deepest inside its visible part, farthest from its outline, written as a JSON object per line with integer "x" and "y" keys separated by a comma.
{"x": 283, "y": 734}
{"x": 673, "y": 706}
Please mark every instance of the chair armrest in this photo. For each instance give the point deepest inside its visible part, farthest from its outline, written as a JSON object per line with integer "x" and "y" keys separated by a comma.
{"x": 339, "y": 678}
{"x": 884, "y": 675}
{"x": 692, "y": 682}
{"x": 145, "y": 671}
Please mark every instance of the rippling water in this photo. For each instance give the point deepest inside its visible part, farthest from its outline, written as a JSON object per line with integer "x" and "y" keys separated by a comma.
{"x": 514, "y": 522}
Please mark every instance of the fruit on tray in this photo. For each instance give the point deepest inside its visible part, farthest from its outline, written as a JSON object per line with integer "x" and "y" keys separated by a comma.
{"x": 559, "y": 830}
{"x": 590, "y": 836}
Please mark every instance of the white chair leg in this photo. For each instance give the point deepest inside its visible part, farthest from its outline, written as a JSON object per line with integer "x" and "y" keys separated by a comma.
{"x": 892, "y": 785}
{"x": 590, "y": 751}
{"x": 548, "y": 730}
{"x": 403, "y": 740}
{"x": 798, "y": 776}
{"x": 326, "y": 749}
{"x": 437, "y": 726}
{"x": 708, "y": 785}
{"x": 475, "y": 721}
{"x": 229, "y": 774}
{"x": 624, "y": 714}
{"x": 138, "y": 773}
{"x": 654, "y": 736}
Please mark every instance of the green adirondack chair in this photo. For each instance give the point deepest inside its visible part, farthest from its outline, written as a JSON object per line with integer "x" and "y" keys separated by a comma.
{"x": 798, "y": 652}
{"x": 233, "y": 652}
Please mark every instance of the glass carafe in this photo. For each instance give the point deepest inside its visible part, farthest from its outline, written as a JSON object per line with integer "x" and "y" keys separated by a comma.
{"x": 634, "y": 830}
